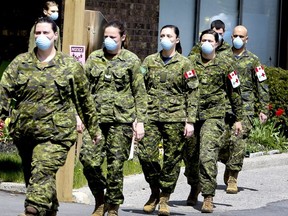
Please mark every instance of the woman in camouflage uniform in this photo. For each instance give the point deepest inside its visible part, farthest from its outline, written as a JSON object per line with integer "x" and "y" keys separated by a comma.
{"x": 50, "y": 9}
{"x": 44, "y": 87}
{"x": 172, "y": 89}
{"x": 217, "y": 95}
{"x": 117, "y": 84}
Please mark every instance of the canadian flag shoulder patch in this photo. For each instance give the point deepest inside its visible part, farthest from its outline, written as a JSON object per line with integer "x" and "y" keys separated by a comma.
{"x": 260, "y": 73}
{"x": 234, "y": 79}
{"x": 189, "y": 74}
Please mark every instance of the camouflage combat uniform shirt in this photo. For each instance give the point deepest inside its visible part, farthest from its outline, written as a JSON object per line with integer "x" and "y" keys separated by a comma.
{"x": 216, "y": 92}
{"x": 171, "y": 96}
{"x": 254, "y": 93}
{"x": 117, "y": 86}
{"x": 44, "y": 97}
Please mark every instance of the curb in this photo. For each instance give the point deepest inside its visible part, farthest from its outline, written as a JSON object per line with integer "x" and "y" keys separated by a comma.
{"x": 13, "y": 187}
{"x": 261, "y": 160}
{"x": 256, "y": 154}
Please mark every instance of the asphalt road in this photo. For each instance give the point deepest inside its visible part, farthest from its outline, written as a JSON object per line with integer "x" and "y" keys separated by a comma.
{"x": 262, "y": 184}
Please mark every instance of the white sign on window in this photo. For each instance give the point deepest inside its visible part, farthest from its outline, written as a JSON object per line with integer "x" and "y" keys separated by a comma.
{"x": 78, "y": 52}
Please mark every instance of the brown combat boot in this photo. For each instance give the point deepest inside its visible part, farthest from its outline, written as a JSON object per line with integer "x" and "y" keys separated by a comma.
{"x": 51, "y": 213}
{"x": 232, "y": 183}
{"x": 226, "y": 176}
{"x": 193, "y": 196}
{"x": 113, "y": 209}
{"x": 207, "y": 206}
{"x": 99, "y": 205}
{"x": 151, "y": 204}
{"x": 163, "y": 204}
{"x": 29, "y": 211}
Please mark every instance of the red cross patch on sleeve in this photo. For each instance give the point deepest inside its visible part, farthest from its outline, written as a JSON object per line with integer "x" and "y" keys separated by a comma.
{"x": 234, "y": 79}
{"x": 189, "y": 74}
{"x": 260, "y": 73}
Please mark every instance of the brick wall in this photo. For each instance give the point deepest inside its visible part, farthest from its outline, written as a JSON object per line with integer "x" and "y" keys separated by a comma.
{"x": 141, "y": 18}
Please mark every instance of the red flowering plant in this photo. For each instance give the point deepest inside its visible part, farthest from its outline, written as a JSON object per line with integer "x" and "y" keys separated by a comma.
{"x": 4, "y": 132}
{"x": 278, "y": 115}
{"x": 277, "y": 79}
{"x": 272, "y": 135}
{"x": 279, "y": 112}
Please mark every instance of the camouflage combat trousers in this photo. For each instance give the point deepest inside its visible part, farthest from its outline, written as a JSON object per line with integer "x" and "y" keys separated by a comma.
{"x": 234, "y": 152}
{"x": 212, "y": 136}
{"x": 40, "y": 163}
{"x": 115, "y": 146}
{"x": 173, "y": 142}
{"x": 191, "y": 158}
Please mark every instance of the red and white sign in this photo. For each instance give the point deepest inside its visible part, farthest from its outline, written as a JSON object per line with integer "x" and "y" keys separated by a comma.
{"x": 189, "y": 74}
{"x": 260, "y": 73}
{"x": 234, "y": 79}
{"x": 78, "y": 52}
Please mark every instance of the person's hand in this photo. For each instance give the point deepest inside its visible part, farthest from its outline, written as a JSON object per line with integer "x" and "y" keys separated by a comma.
{"x": 79, "y": 126}
{"x": 97, "y": 138}
{"x": 238, "y": 128}
{"x": 262, "y": 117}
{"x": 188, "y": 130}
{"x": 138, "y": 130}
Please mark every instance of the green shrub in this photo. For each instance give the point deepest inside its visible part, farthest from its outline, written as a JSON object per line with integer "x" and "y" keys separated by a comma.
{"x": 11, "y": 167}
{"x": 274, "y": 133}
{"x": 265, "y": 137}
{"x": 278, "y": 91}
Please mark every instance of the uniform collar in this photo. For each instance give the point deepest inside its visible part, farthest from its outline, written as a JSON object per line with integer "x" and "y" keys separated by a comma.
{"x": 174, "y": 58}
{"x": 101, "y": 54}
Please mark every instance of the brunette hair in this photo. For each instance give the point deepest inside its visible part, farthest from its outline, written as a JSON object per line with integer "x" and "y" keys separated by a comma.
{"x": 122, "y": 30}
{"x": 48, "y": 4}
{"x": 210, "y": 31}
{"x": 177, "y": 32}
{"x": 217, "y": 24}
{"x": 47, "y": 20}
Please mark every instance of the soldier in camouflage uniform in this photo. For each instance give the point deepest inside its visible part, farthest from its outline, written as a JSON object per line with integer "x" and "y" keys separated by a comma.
{"x": 254, "y": 92}
{"x": 117, "y": 84}
{"x": 51, "y": 10}
{"x": 45, "y": 86}
{"x": 191, "y": 157}
{"x": 216, "y": 93}
{"x": 172, "y": 89}
{"x": 219, "y": 27}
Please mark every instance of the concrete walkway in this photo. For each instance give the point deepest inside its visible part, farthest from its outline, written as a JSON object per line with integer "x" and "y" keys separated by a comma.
{"x": 262, "y": 181}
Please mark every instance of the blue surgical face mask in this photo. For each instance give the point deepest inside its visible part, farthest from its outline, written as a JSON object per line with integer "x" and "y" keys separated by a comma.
{"x": 54, "y": 16}
{"x": 42, "y": 42}
{"x": 110, "y": 44}
{"x": 166, "y": 44}
{"x": 220, "y": 37}
{"x": 238, "y": 43}
{"x": 207, "y": 48}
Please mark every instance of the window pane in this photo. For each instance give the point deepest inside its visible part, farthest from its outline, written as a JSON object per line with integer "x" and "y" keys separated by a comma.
{"x": 225, "y": 10}
{"x": 179, "y": 13}
{"x": 261, "y": 19}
